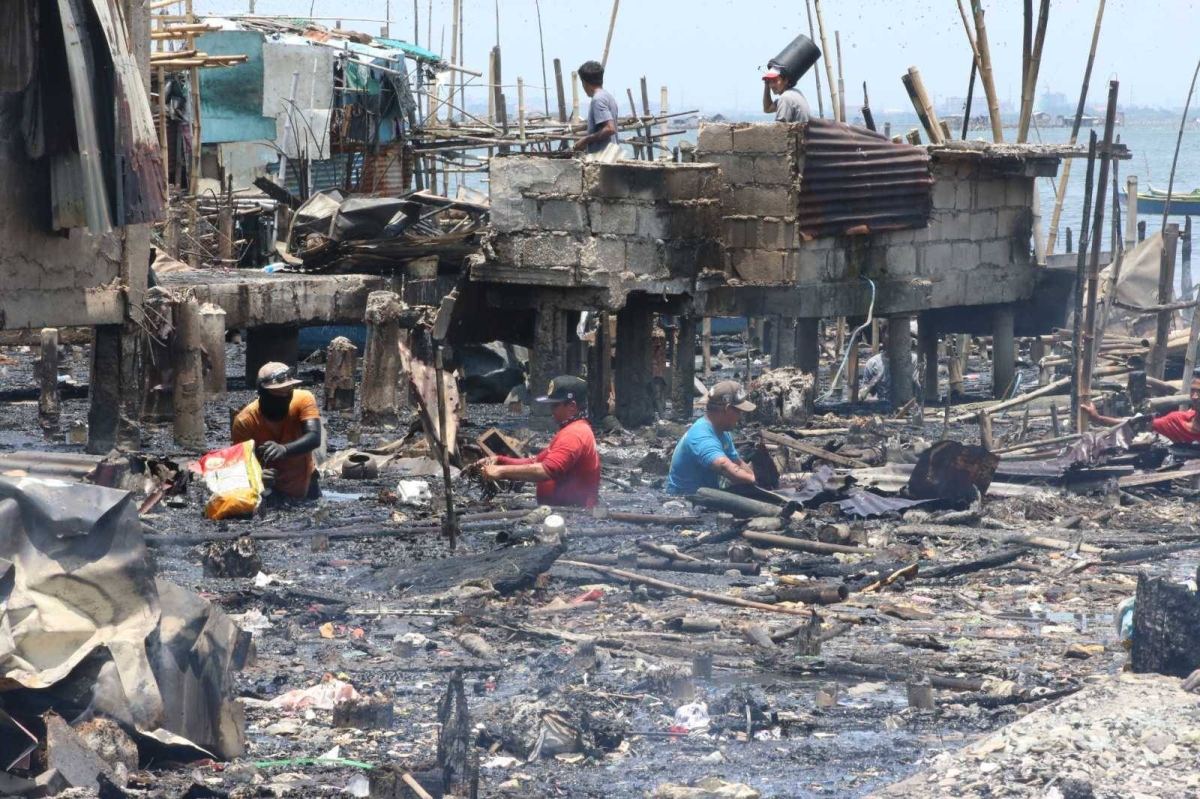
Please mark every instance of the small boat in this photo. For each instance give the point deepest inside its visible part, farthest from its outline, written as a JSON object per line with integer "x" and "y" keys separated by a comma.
{"x": 1153, "y": 201}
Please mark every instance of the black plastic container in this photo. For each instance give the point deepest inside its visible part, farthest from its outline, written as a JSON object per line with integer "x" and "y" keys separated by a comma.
{"x": 797, "y": 58}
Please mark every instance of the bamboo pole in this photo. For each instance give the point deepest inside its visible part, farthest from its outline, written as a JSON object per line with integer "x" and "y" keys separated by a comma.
{"x": 646, "y": 130}
{"x": 612, "y": 23}
{"x": 1093, "y": 275}
{"x": 574, "y": 97}
{"x": 922, "y": 105}
{"x": 816, "y": 72}
{"x": 521, "y": 110}
{"x": 1077, "y": 423}
{"x": 1035, "y": 63}
{"x": 662, "y": 112}
{"x": 833, "y": 98}
{"x": 985, "y": 72}
{"x": 560, "y": 91}
{"x": 1052, "y": 234}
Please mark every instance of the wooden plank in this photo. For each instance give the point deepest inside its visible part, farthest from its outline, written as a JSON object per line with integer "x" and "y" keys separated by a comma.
{"x": 1135, "y": 480}
{"x": 816, "y": 452}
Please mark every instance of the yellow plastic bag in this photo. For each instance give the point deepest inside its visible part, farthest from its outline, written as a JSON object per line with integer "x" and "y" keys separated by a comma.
{"x": 234, "y": 476}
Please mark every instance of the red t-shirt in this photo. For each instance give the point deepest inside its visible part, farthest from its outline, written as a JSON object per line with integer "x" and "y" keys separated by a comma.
{"x": 1177, "y": 426}
{"x": 573, "y": 465}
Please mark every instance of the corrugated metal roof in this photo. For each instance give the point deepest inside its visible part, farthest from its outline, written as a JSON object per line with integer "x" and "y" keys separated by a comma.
{"x": 857, "y": 181}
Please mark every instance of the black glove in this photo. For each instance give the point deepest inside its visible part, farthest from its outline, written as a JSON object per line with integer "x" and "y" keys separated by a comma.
{"x": 271, "y": 451}
{"x": 268, "y": 478}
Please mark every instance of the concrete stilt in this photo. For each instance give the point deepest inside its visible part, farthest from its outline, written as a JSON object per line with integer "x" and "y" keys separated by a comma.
{"x": 212, "y": 338}
{"x": 808, "y": 345}
{"x": 548, "y": 357}
{"x": 116, "y": 399}
{"x": 634, "y": 372}
{"x": 927, "y": 337}
{"x": 49, "y": 409}
{"x": 381, "y": 361}
{"x": 899, "y": 355}
{"x": 1004, "y": 351}
{"x": 785, "y": 342}
{"x": 600, "y": 373}
{"x": 189, "y": 376}
{"x": 270, "y": 343}
{"x": 684, "y": 367}
{"x": 340, "y": 359}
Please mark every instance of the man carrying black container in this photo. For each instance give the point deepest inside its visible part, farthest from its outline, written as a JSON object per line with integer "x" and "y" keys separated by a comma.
{"x": 791, "y": 105}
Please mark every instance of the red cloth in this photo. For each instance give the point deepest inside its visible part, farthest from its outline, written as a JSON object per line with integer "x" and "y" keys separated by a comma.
{"x": 1177, "y": 426}
{"x": 573, "y": 465}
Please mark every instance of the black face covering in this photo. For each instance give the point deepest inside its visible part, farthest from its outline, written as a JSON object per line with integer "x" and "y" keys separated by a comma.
{"x": 274, "y": 406}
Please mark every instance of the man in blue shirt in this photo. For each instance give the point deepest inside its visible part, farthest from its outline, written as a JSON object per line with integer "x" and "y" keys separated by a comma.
{"x": 602, "y": 116}
{"x": 706, "y": 453}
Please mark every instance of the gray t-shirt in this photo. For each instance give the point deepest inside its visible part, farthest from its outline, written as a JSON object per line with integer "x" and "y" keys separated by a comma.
{"x": 604, "y": 108}
{"x": 791, "y": 107}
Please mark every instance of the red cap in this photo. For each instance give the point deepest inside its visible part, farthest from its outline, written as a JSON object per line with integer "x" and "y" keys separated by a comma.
{"x": 771, "y": 74}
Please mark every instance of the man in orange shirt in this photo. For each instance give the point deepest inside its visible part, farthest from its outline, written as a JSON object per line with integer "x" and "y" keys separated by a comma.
{"x": 285, "y": 426}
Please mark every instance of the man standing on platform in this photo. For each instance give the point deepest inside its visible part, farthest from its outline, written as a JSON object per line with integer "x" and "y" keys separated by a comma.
{"x": 603, "y": 114}
{"x": 791, "y": 105}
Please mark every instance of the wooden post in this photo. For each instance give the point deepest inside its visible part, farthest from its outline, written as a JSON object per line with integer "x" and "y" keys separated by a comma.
{"x": 833, "y": 98}
{"x": 927, "y": 338}
{"x": 1189, "y": 360}
{"x": 560, "y": 91}
{"x": 1004, "y": 352}
{"x": 970, "y": 97}
{"x": 450, "y": 522}
{"x": 381, "y": 361}
{"x": 1065, "y": 173}
{"x": 172, "y": 232}
{"x": 163, "y": 150}
{"x": 340, "y": 384}
{"x": 706, "y": 344}
{"x": 816, "y": 72}
{"x": 1090, "y": 330}
{"x": 612, "y": 23}
{"x": 899, "y": 355}
{"x": 1055, "y": 428}
{"x": 49, "y": 406}
{"x": 985, "y": 430}
{"x": 684, "y": 365}
{"x": 637, "y": 148}
{"x": 1069, "y": 243}
{"x": 189, "y": 376}
{"x": 1131, "y": 210}
{"x": 574, "y": 97}
{"x": 954, "y": 366}
{"x": 852, "y": 381}
{"x": 600, "y": 368}
{"x": 1080, "y": 265}
{"x": 212, "y": 339}
{"x": 1166, "y": 280}
{"x": 1141, "y": 231}
{"x": 920, "y": 694}
{"x": 837, "y": 42}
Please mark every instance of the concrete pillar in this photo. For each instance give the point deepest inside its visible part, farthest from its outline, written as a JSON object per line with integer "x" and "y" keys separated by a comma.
{"x": 270, "y": 343}
{"x": 808, "y": 345}
{"x": 927, "y": 337}
{"x": 548, "y": 356}
{"x": 600, "y": 368}
{"x": 212, "y": 338}
{"x": 189, "y": 376}
{"x": 785, "y": 342}
{"x": 49, "y": 408}
{"x": 114, "y": 393}
{"x": 684, "y": 366}
{"x": 381, "y": 361}
{"x": 634, "y": 373}
{"x": 1004, "y": 350}
{"x": 340, "y": 360}
{"x": 899, "y": 355}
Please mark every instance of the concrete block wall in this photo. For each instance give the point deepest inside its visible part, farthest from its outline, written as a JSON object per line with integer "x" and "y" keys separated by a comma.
{"x": 564, "y": 222}
{"x": 974, "y": 251}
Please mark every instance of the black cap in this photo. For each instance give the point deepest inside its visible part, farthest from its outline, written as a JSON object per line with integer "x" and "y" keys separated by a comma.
{"x": 566, "y": 388}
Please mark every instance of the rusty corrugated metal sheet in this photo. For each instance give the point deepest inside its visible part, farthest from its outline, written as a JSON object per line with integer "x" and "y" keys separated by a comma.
{"x": 386, "y": 173}
{"x": 858, "y": 181}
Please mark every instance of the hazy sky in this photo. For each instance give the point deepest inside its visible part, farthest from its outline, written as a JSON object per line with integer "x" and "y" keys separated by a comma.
{"x": 709, "y": 52}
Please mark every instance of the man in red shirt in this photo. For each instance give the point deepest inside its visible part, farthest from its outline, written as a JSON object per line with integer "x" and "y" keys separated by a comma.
{"x": 568, "y": 471}
{"x": 1181, "y": 427}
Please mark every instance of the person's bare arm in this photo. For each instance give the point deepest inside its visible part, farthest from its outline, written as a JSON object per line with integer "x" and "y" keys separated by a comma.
{"x": 769, "y": 105}
{"x": 603, "y": 134}
{"x": 1096, "y": 418}
{"x": 531, "y": 473}
{"x": 736, "y": 473}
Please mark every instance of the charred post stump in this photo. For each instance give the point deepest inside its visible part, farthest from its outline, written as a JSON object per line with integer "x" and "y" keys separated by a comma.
{"x": 212, "y": 338}
{"x": 340, "y": 359}
{"x": 927, "y": 339}
{"x": 454, "y": 751}
{"x": 232, "y": 558}
{"x": 365, "y": 713}
{"x": 49, "y": 406}
{"x": 683, "y": 391}
{"x": 920, "y": 694}
{"x": 634, "y": 367}
{"x": 808, "y": 345}
{"x": 1166, "y": 627}
{"x": 600, "y": 368}
{"x": 158, "y": 403}
{"x": 808, "y": 642}
{"x": 899, "y": 354}
{"x": 115, "y": 406}
{"x": 381, "y": 361}
{"x": 189, "y": 376}
{"x": 548, "y": 357}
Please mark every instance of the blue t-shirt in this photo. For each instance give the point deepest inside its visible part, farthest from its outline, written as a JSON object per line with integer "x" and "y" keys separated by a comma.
{"x": 603, "y": 109}
{"x": 691, "y": 465}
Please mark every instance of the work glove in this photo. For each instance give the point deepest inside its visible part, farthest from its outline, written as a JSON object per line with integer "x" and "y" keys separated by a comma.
{"x": 271, "y": 451}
